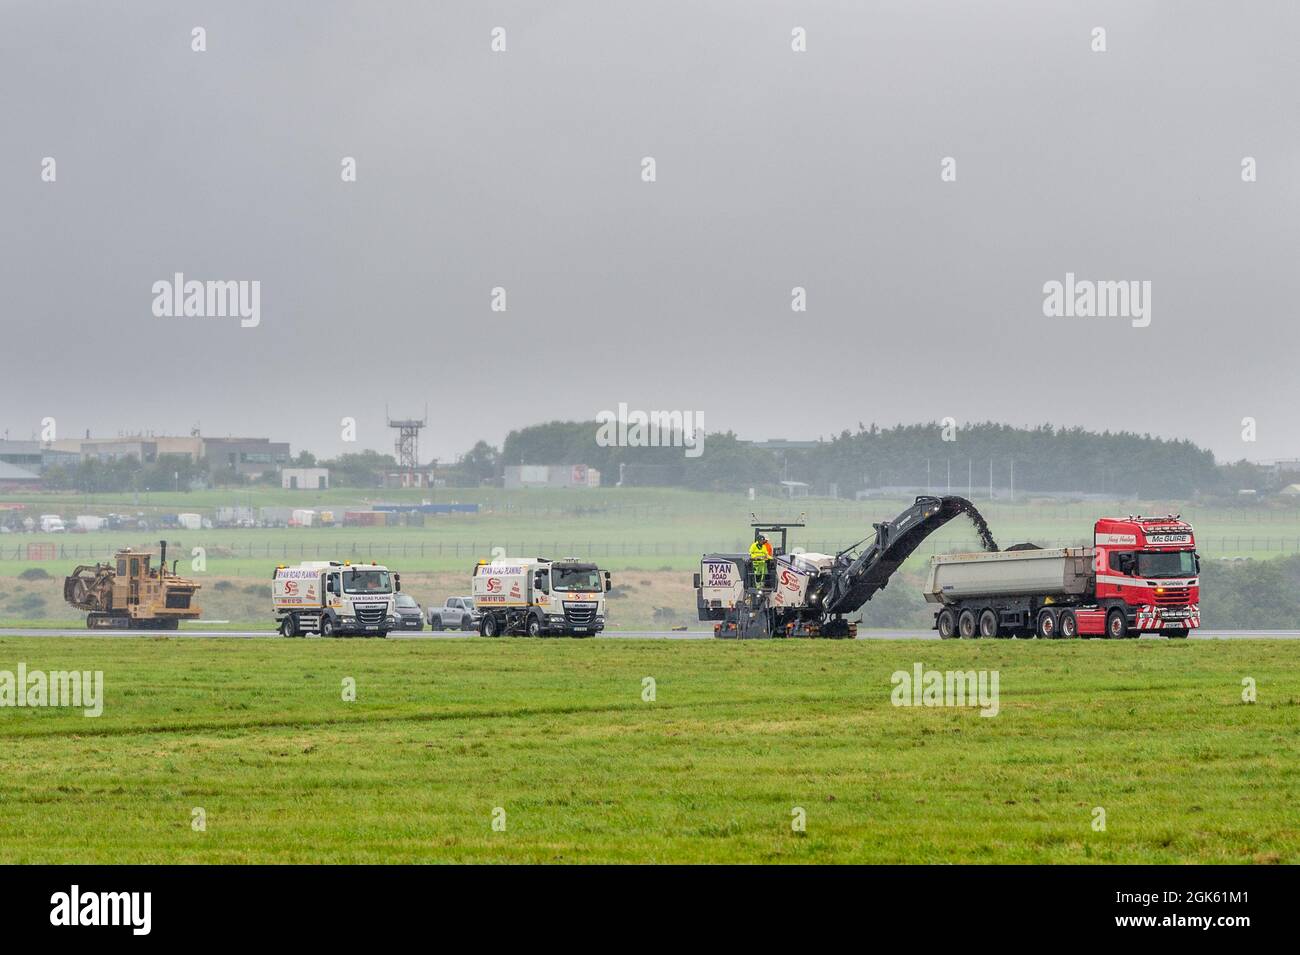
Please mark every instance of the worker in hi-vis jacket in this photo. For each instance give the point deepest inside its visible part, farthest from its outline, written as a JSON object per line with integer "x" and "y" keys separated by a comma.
{"x": 760, "y": 552}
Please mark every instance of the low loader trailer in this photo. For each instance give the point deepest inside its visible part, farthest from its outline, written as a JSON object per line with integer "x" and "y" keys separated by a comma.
{"x": 1141, "y": 575}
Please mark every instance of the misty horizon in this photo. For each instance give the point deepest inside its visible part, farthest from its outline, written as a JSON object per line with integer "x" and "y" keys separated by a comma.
{"x": 776, "y": 170}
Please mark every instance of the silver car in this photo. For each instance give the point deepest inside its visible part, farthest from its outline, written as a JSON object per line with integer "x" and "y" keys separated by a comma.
{"x": 457, "y": 613}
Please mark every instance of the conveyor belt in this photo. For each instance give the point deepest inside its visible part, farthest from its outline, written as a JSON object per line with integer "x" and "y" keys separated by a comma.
{"x": 854, "y": 582}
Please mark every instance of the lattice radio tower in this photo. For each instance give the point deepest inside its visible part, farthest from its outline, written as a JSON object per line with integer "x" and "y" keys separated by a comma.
{"x": 408, "y": 440}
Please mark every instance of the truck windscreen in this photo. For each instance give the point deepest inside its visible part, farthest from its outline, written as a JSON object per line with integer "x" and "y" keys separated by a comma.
{"x": 568, "y": 578}
{"x": 1177, "y": 563}
{"x": 367, "y": 582}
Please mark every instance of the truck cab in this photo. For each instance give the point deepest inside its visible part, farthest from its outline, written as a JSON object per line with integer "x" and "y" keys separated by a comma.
{"x": 335, "y": 598}
{"x": 539, "y": 597}
{"x": 1148, "y": 575}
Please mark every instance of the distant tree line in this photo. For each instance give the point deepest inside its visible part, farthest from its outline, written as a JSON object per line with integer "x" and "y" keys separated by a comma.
{"x": 726, "y": 464}
{"x": 91, "y": 476}
{"x": 1043, "y": 458}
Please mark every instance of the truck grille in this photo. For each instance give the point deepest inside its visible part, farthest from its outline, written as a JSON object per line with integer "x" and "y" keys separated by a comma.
{"x": 580, "y": 613}
{"x": 1173, "y": 597}
{"x": 370, "y": 614}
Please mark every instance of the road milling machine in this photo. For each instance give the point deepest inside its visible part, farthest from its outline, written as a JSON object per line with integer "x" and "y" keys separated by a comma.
{"x": 804, "y": 594}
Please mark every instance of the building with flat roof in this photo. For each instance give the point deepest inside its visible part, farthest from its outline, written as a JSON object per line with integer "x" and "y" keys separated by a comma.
{"x": 518, "y": 476}
{"x": 247, "y": 457}
{"x": 14, "y": 477}
{"x": 304, "y": 479}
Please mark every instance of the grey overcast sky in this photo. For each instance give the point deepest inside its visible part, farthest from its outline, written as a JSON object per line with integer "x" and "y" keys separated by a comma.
{"x": 775, "y": 169}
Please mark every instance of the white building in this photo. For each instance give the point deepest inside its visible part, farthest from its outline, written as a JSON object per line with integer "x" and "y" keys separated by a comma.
{"x": 305, "y": 479}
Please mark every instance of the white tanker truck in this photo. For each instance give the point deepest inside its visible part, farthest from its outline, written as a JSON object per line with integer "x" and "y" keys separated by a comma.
{"x": 538, "y": 597}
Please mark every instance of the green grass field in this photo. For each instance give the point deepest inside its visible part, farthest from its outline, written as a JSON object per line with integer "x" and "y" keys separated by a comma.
{"x": 556, "y": 734}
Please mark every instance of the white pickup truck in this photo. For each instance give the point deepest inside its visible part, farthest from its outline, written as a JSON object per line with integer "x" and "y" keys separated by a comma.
{"x": 458, "y": 613}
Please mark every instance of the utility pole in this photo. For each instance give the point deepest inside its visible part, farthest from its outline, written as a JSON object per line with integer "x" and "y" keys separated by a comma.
{"x": 927, "y": 475}
{"x": 1013, "y": 479}
{"x": 969, "y": 484}
{"x": 948, "y": 464}
{"x": 990, "y": 479}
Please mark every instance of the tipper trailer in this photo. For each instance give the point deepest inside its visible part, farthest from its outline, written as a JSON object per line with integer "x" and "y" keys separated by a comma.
{"x": 1141, "y": 575}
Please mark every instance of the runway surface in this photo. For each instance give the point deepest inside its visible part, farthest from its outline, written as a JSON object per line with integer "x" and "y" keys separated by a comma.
{"x": 611, "y": 635}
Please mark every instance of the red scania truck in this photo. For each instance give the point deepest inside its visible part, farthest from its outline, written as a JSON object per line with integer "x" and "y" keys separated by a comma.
{"x": 1141, "y": 575}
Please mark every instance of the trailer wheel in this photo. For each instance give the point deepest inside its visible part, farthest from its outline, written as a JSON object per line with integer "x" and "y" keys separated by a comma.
{"x": 534, "y": 626}
{"x": 1116, "y": 625}
{"x": 946, "y": 624}
{"x": 1176, "y": 633}
{"x": 1066, "y": 625}
{"x": 988, "y": 624}
{"x": 1047, "y": 625}
{"x": 966, "y": 624}
{"x": 489, "y": 626}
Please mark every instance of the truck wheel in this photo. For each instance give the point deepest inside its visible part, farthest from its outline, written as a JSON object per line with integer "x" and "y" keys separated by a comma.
{"x": 534, "y": 626}
{"x": 946, "y": 624}
{"x": 327, "y": 628}
{"x": 1116, "y": 625}
{"x": 1176, "y": 633}
{"x": 988, "y": 624}
{"x": 966, "y": 624}
{"x": 289, "y": 626}
{"x": 1047, "y": 625}
{"x": 489, "y": 627}
{"x": 1067, "y": 627}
